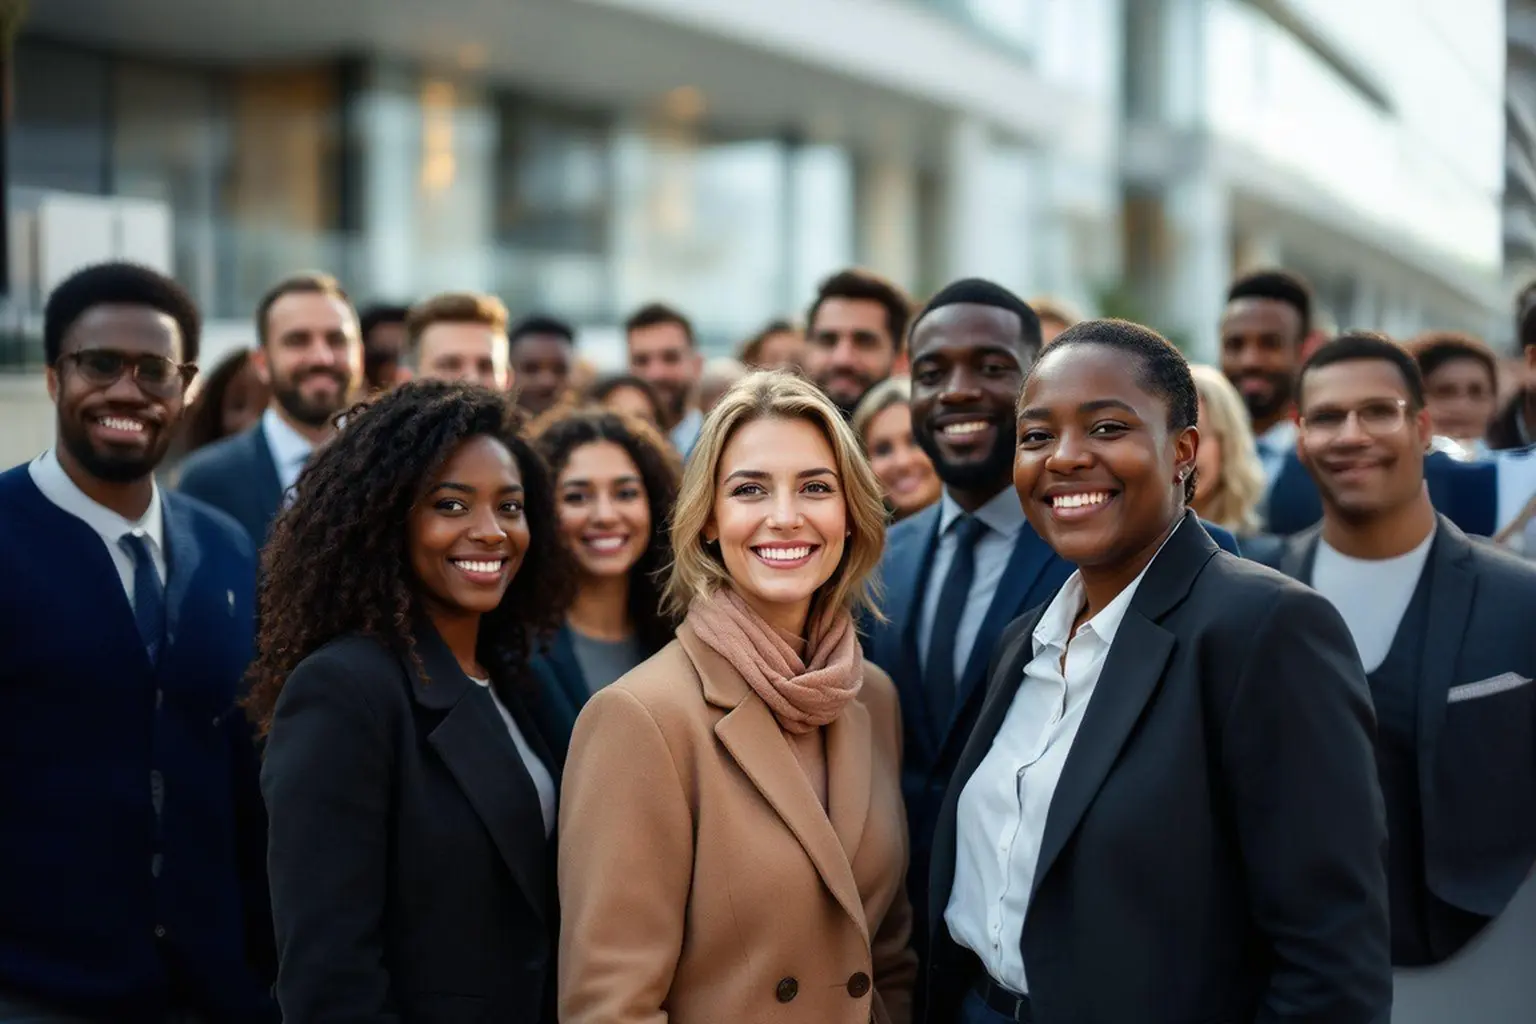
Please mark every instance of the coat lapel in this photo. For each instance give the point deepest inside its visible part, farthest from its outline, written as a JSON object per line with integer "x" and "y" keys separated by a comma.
{"x": 1300, "y": 554}
{"x": 268, "y": 486}
{"x": 473, "y": 742}
{"x": 183, "y": 554}
{"x": 1130, "y": 676}
{"x": 752, "y": 736}
{"x": 850, "y": 770}
{"x": 1030, "y": 557}
{"x": 1453, "y": 586}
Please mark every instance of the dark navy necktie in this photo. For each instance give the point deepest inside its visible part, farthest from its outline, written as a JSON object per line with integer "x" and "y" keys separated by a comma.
{"x": 939, "y": 670}
{"x": 148, "y": 595}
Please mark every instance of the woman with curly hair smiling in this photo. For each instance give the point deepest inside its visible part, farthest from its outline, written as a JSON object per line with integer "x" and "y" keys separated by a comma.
{"x": 615, "y": 482}
{"x": 411, "y": 796}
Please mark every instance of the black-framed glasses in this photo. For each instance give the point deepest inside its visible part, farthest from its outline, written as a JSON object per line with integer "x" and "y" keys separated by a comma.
{"x": 155, "y": 375}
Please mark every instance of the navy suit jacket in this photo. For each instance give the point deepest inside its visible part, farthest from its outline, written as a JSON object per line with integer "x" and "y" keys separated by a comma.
{"x": 1466, "y": 492}
{"x": 930, "y": 748}
{"x": 563, "y": 690}
{"x": 1477, "y": 745}
{"x": 98, "y": 893}
{"x": 238, "y": 476}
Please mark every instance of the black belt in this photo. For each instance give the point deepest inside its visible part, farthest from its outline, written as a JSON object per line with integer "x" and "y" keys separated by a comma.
{"x": 1010, "y": 1004}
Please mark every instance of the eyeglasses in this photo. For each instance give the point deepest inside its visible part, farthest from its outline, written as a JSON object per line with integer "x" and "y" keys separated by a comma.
{"x": 156, "y": 376}
{"x": 1378, "y": 419}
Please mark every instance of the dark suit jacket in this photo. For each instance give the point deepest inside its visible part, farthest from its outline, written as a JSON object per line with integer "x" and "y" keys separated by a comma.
{"x": 85, "y": 719}
{"x": 1215, "y": 848}
{"x": 930, "y": 747}
{"x": 411, "y": 877}
{"x": 1467, "y": 492}
{"x": 1477, "y": 744}
{"x": 237, "y": 476}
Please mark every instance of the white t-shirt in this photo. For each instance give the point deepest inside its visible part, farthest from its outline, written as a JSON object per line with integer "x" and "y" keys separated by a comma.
{"x": 1371, "y": 594}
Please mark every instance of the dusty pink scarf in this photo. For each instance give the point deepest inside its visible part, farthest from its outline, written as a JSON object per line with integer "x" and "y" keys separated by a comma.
{"x": 804, "y": 693}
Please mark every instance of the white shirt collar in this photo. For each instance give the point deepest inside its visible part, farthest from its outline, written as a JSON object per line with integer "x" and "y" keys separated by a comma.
{"x": 1055, "y": 625}
{"x": 1002, "y": 513}
{"x": 1279, "y": 438}
{"x": 49, "y": 476}
{"x": 290, "y": 449}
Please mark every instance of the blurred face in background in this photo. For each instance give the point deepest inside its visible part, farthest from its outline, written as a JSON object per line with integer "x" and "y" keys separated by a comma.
{"x": 1462, "y": 398}
{"x": 903, "y": 468}
{"x": 312, "y": 358}
{"x": 245, "y": 399}
{"x": 781, "y": 350}
{"x": 1260, "y": 354}
{"x": 662, "y": 356}
{"x": 631, "y": 401}
{"x": 383, "y": 351}
{"x": 849, "y": 349}
{"x": 605, "y": 517}
{"x": 541, "y": 370}
{"x": 464, "y": 351}
{"x": 1361, "y": 437}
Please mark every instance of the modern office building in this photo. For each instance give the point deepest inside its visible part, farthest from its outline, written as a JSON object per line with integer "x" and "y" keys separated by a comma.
{"x": 1520, "y": 145}
{"x": 583, "y": 156}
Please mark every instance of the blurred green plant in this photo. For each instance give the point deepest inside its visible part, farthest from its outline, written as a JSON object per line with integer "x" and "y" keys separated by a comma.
{"x": 1119, "y": 301}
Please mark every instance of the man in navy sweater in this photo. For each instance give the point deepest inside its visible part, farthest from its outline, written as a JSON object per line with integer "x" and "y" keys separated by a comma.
{"x": 132, "y": 834}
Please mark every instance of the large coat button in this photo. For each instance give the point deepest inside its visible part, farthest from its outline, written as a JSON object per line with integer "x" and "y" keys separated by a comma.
{"x": 858, "y": 985}
{"x": 787, "y": 990}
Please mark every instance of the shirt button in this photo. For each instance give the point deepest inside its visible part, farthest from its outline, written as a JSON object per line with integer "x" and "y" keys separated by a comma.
{"x": 787, "y": 990}
{"x": 159, "y": 931}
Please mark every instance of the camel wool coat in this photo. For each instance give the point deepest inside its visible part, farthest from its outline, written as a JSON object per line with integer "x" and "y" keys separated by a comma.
{"x": 701, "y": 882}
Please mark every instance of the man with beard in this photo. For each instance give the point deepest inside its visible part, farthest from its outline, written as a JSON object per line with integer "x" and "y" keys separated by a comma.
{"x": 853, "y": 335}
{"x": 311, "y": 355}
{"x": 1441, "y": 624}
{"x": 664, "y": 353}
{"x": 132, "y": 868}
{"x": 541, "y": 354}
{"x": 1266, "y": 322}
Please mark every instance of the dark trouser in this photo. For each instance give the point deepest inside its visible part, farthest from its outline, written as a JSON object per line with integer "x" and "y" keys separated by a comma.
{"x": 16, "y": 1009}
{"x": 975, "y": 1011}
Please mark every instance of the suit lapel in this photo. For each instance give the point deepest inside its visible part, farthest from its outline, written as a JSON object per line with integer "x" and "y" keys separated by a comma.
{"x": 752, "y": 736}
{"x": 268, "y": 485}
{"x": 1453, "y": 586}
{"x": 183, "y": 554}
{"x": 562, "y": 656}
{"x": 905, "y": 586}
{"x": 473, "y": 743}
{"x": 1130, "y": 676}
{"x": 1030, "y": 557}
{"x": 1300, "y": 554}
{"x": 850, "y": 770}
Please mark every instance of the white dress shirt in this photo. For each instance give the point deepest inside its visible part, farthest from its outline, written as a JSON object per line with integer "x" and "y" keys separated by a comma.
{"x": 57, "y": 487}
{"x": 543, "y": 781}
{"x": 1273, "y": 446}
{"x": 290, "y": 449}
{"x": 1003, "y": 517}
{"x": 686, "y": 434}
{"x": 1000, "y": 819}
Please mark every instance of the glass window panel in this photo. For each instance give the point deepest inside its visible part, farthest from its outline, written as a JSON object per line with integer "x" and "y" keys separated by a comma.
{"x": 59, "y": 129}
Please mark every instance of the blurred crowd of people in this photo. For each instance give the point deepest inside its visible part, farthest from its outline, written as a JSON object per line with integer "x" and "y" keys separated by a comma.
{"x": 954, "y": 660}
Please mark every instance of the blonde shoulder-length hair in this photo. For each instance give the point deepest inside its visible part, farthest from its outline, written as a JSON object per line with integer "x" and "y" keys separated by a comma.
{"x": 1234, "y": 502}
{"x": 776, "y": 394}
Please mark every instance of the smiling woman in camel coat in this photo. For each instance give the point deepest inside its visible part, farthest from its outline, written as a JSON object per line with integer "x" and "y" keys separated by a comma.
{"x": 700, "y": 880}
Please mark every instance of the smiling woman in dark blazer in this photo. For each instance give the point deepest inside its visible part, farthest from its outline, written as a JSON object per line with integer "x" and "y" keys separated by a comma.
{"x": 411, "y": 796}
{"x": 1168, "y": 810}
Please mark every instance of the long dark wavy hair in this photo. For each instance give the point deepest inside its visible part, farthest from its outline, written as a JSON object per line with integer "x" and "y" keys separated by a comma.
{"x": 338, "y": 561}
{"x": 659, "y": 473}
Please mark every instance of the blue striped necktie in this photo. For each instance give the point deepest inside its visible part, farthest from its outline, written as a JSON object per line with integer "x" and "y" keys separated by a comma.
{"x": 148, "y": 595}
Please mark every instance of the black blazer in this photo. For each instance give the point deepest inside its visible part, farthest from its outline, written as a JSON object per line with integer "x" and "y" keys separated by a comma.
{"x": 236, "y": 475}
{"x": 1216, "y": 847}
{"x": 1476, "y": 724}
{"x": 411, "y": 877}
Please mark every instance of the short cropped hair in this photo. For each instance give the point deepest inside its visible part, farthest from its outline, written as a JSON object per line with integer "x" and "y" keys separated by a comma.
{"x": 1366, "y": 346}
{"x": 378, "y": 314}
{"x": 768, "y": 395}
{"x": 118, "y": 283}
{"x": 653, "y": 314}
{"x": 870, "y": 287}
{"x": 455, "y": 308}
{"x": 1164, "y": 372}
{"x": 539, "y": 324}
{"x": 1278, "y": 286}
{"x": 1433, "y": 349}
{"x": 309, "y": 282}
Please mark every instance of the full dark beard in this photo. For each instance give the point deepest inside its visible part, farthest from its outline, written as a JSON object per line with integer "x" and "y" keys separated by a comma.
{"x": 106, "y": 465}
{"x": 1261, "y": 407}
{"x": 995, "y": 470}
{"x": 311, "y": 414}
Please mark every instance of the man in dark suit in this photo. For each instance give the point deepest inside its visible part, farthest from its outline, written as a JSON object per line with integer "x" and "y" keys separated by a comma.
{"x": 956, "y": 574}
{"x": 310, "y": 353}
{"x": 132, "y": 863}
{"x": 1442, "y": 625}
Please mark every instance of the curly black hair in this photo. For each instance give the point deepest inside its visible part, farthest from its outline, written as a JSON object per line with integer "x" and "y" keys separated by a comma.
{"x": 660, "y": 473}
{"x": 337, "y": 561}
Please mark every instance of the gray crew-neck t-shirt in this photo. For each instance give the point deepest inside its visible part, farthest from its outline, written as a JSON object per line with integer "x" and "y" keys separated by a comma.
{"x": 604, "y": 661}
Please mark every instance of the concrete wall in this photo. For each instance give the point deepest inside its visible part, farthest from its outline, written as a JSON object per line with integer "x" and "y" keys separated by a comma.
{"x": 26, "y": 418}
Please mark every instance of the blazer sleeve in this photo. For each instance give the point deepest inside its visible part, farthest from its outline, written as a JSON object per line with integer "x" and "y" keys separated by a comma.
{"x": 626, "y": 866}
{"x": 1301, "y": 772}
{"x": 891, "y": 953}
{"x": 326, "y": 784}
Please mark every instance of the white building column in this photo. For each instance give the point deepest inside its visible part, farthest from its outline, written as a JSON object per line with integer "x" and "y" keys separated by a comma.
{"x": 970, "y": 211}
{"x": 889, "y": 220}
{"x": 1198, "y": 216}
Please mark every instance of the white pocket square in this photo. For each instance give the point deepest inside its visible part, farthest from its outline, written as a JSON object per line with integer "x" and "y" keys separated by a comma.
{"x": 1487, "y": 687}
